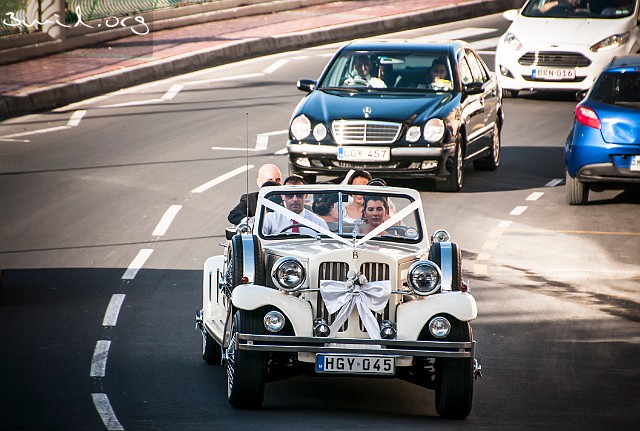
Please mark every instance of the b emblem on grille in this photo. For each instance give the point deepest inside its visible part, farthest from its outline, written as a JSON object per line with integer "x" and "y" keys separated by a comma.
{"x": 355, "y": 255}
{"x": 366, "y": 111}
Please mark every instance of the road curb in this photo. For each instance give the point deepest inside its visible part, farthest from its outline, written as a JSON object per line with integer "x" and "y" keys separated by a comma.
{"x": 63, "y": 94}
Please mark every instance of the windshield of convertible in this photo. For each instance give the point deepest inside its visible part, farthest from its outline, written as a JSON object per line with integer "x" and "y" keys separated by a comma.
{"x": 340, "y": 215}
{"x": 605, "y": 9}
{"x": 389, "y": 71}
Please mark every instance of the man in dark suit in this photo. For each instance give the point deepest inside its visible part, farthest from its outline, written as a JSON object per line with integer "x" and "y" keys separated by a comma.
{"x": 249, "y": 201}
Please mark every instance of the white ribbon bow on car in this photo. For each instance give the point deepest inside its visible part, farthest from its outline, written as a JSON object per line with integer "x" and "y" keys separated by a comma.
{"x": 341, "y": 297}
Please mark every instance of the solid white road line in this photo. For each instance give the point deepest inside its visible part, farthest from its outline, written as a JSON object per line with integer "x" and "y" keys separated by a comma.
{"x": 534, "y": 196}
{"x": 275, "y": 66}
{"x": 262, "y": 140}
{"x": 173, "y": 92}
{"x": 518, "y": 210}
{"x": 103, "y": 406}
{"x": 35, "y": 132}
{"x": 113, "y": 309}
{"x": 137, "y": 263}
{"x": 462, "y": 33}
{"x": 166, "y": 220}
{"x": 505, "y": 224}
{"x": 221, "y": 178}
{"x": 554, "y": 182}
{"x": 75, "y": 118}
{"x": 224, "y": 78}
{"x": 99, "y": 360}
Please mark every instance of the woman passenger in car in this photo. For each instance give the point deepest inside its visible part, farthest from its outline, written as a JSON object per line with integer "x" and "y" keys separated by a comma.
{"x": 353, "y": 211}
{"x": 375, "y": 212}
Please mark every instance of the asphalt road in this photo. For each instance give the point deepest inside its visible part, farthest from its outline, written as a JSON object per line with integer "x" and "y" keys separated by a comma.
{"x": 110, "y": 207}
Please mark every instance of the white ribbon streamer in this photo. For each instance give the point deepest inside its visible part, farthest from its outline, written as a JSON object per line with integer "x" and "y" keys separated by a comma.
{"x": 341, "y": 297}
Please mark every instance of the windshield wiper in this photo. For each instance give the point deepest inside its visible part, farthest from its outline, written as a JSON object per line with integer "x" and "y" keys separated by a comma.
{"x": 347, "y": 89}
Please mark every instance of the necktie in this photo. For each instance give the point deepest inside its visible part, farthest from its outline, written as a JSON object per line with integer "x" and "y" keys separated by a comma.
{"x": 295, "y": 229}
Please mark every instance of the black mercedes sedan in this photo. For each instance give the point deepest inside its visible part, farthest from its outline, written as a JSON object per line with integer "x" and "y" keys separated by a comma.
{"x": 399, "y": 109}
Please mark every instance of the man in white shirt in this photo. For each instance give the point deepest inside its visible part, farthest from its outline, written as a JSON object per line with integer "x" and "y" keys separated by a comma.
{"x": 361, "y": 73}
{"x": 275, "y": 223}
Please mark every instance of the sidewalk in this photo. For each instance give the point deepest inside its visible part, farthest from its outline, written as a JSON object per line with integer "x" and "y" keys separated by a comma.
{"x": 57, "y": 80}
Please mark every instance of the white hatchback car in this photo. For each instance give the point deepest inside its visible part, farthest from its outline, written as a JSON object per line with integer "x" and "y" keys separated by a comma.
{"x": 564, "y": 44}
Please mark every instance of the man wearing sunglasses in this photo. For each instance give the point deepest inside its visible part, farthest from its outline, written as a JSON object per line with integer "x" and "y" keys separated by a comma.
{"x": 275, "y": 223}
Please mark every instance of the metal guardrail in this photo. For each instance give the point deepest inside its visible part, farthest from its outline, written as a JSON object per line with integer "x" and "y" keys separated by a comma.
{"x": 25, "y": 16}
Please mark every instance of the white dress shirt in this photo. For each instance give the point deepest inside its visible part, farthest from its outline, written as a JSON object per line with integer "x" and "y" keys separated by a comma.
{"x": 273, "y": 223}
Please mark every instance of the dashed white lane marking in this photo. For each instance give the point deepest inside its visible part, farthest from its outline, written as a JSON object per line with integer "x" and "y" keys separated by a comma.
{"x": 34, "y": 132}
{"x": 166, "y": 220}
{"x": 534, "y": 196}
{"x": 137, "y": 263}
{"x": 275, "y": 66}
{"x": 99, "y": 360}
{"x": 76, "y": 117}
{"x": 504, "y": 224}
{"x": 281, "y": 152}
{"x": 113, "y": 310}
{"x": 172, "y": 92}
{"x": 518, "y": 210}
{"x": 462, "y": 33}
{"x": 221, "y": 178}
{"x": 103, "y": 406}
{"x": 554, "y": 182}
{"x": 134, "y": 103}
{"x": 480, "y": 269}
{"x": 225, "y": 78}
{"x": 484, "y": 44}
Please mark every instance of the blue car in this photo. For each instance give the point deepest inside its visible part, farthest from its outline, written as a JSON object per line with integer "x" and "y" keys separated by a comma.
{"x": 399, "y": 108}
{"x": 603, "y": 147}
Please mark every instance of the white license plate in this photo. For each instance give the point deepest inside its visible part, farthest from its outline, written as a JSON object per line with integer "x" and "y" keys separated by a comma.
{"x": 635, "y": 163}
{"x": 355, "y": 364}
{"x": 364, "y": 154}
{"x": 553, "y": 74}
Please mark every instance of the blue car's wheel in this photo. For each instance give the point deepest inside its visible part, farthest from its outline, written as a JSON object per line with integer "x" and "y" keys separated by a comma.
{"x": 577, "y": 193}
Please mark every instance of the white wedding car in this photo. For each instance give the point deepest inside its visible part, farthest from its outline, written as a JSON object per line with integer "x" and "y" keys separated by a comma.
{"x": 333, "y": 294}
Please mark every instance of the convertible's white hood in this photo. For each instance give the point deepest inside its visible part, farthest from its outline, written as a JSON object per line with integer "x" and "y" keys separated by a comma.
{"x": 562, "y": 31}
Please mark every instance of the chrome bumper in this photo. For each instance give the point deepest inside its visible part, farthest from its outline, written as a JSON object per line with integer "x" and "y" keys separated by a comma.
{"x": 285, "y": 343}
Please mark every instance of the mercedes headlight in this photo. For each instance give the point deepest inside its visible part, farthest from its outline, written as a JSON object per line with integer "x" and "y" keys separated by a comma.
{"x": 300, "y": 127}
{"x": 424, "y": 277}
{"x": 434, "y": 130}
{"x": 288, "y": 273}
{"x": 413, "y": 134}
{"x": 511, "y": 40}
{"x": 611, "y": 42}
{"x": 319, "y": 132}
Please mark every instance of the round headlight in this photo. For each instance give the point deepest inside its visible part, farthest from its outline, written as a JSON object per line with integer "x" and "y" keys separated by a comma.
{"x": 440, "y": 235}
{"x": 319, "y": 132}
{"x": 439, "y": 327}
{"x": 300, "y": 127}
{"x": 434, "y": 130}
{"x": 288, "y": 273}
{"x": 274, "y": 321}
{"x": 424, "y": 277}
{"x": 413, "y": 134}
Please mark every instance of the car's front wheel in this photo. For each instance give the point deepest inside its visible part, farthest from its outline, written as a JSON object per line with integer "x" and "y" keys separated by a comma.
{"x": 453, "y": 182}
{"x": 246, "y": 370}
{"x": 576, "y": 192}
{"x": 454, "y": 378}
{"x": 510, "y": 93}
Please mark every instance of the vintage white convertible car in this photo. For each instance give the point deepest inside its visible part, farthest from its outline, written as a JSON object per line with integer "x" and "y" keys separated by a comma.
{"x": 312, "y": 288}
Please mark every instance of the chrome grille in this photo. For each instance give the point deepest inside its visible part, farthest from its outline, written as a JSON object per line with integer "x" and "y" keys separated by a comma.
{"x": 337, "y": 271}
{"x": 365, "y": 132}
{"x": 554, "y": 59}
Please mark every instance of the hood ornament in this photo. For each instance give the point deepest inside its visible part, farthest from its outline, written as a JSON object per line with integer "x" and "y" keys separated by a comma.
{"x": 366, "y": 111}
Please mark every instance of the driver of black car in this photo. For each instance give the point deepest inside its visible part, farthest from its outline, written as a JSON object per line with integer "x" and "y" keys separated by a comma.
{"x": 361, "y": 73}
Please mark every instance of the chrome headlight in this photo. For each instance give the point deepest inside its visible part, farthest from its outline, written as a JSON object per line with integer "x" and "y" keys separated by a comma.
{"x": 439, "y": 327}
{"x": 440, "y": 235}
{"x": 288, "y": 273}
{"x": 611, "y": 42}
{"x": 434, "y": 130}
{"x": 424, "y": 277}
{"x": 413, "y": 134}
{"x": 319, "y": 132}
{"x": 512, "y": 40}
{"x": 274, "y": 321}
{"x": 301, "y": 127}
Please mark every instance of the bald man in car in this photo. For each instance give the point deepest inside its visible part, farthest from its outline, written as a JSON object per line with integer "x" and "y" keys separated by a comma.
{"x": 249, "y": 201}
